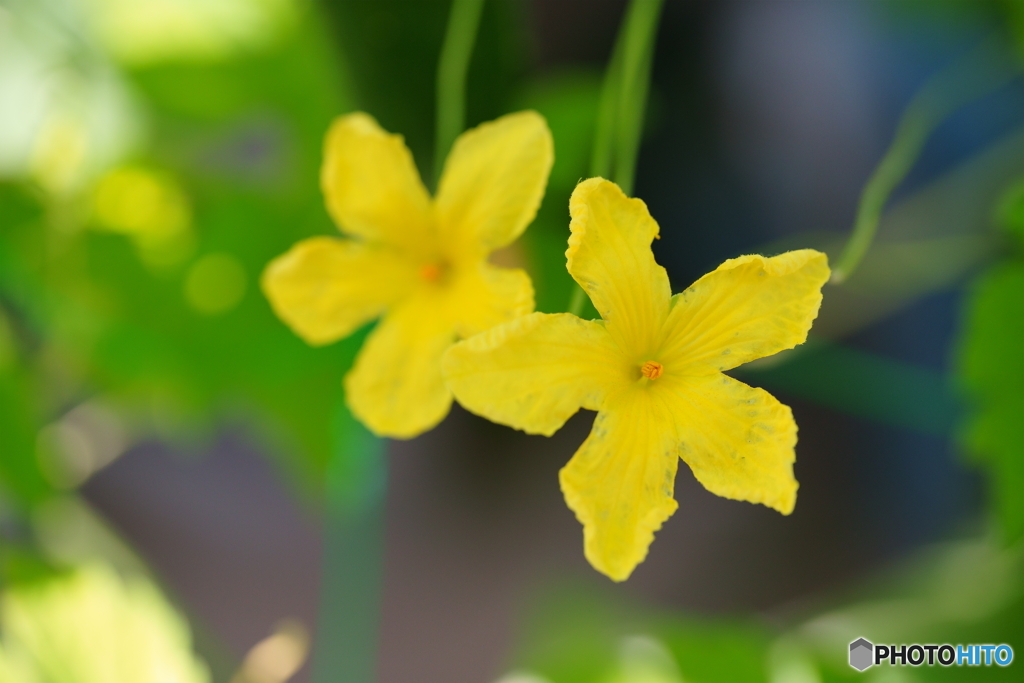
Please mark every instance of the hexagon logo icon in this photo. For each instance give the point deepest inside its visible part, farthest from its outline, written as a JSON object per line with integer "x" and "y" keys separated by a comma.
{"x": 861, "y": 652}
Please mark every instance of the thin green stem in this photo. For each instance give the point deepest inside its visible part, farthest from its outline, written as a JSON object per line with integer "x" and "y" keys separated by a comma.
{"x": 965, "y": 81}
{"x": 641, "y": 27}
{"x": 607, "y": 107}
{"x": 463, "y": 22}
{"x": 621, "y": 108}
{"x": 349, "y": 620}
{"x": 911, "y": 134}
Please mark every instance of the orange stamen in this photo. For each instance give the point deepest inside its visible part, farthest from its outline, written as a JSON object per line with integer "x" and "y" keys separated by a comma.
{"x": 430, "y": 272}
{"x": 652, "y": 369}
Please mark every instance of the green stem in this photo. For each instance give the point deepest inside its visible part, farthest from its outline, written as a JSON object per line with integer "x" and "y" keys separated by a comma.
{"x": 463, "y": 22}
{"x": 349, "y": 621}
{"x": 640, "y": 28}
{"x": 963, "y": 82}
{"x": 911, "y": 134}
{"x": 607, "y": 107}
{"x": 621, "y": 108}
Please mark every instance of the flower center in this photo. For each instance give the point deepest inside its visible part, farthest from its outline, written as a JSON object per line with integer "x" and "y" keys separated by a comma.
{"x": 432, "y": 272}
{"x": 651, "y": 369}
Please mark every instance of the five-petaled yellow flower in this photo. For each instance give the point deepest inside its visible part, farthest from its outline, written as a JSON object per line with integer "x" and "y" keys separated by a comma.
{"x": 652, "y": 368}
{"x": 419, "y": 262}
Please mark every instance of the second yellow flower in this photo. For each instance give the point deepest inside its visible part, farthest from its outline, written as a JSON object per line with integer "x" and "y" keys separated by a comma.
{"x": 418, "y": 262}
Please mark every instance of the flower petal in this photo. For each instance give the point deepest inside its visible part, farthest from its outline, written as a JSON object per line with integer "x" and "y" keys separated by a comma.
{"x": 534, "y": 372}
{"x": 493, "y": 181}
{"x": 324, "y": 288}
{"x": 739, "y": 441}
{"x": 395, "y": 387}
{"x": 371, "y": 185}
{"x": 486, "y": 295}
{"x": 748, "y": 308}
{"x": 620, "y": 482}
{"x": 610, "y": 256}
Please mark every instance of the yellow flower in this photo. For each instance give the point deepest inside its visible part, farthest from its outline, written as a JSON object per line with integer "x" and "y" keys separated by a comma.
{"x": 421, "y": 263}
{"x": 652, "y": 368}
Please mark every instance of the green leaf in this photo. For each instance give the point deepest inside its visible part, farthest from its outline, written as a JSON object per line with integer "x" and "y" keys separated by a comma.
{"x": 992, "y": 370}
{"x": 19, "y": 424}
{"x": 242, "y": 139}
{"x": 717, "y": 651}
{"x": 580, "y": 636}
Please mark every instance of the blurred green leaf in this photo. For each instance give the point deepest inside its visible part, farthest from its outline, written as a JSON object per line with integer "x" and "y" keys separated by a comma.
{"x": 1010, "y": 213}
{"x": 242, "y": 138}
{"x": 583, "y": 637}
{"x": 717, "y": 650}
{"x": 992, "y": 370}
{"x": 962, "y": 592}
{"x": 19, "y": 424}
{"x": 21, "y": 404}
{"x": 572, "y": 636}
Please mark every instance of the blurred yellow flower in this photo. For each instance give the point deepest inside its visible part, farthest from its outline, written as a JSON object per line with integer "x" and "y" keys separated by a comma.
{"x": 91, "y": 626}
{"x": 419, "y": 262}
{"x": 652, "y": 368}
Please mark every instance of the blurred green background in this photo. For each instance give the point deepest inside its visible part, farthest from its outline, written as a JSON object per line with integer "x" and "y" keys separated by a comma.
{"x": 166, "y": 443}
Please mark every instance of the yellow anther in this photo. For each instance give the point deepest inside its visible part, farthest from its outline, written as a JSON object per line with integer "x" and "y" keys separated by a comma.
{"x": 652, "y": 369}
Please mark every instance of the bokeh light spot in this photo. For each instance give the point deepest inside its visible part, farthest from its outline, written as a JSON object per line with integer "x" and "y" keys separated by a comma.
{"x": 277, "y": 657}
{"x": 141, "y": 203}
{"x": 215, "y": 284}
{"x": 148, "y": 31}
{"x": 59, "y": 153}
{"x": 149, "y": 207}
{"x": 86, "y": 439}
